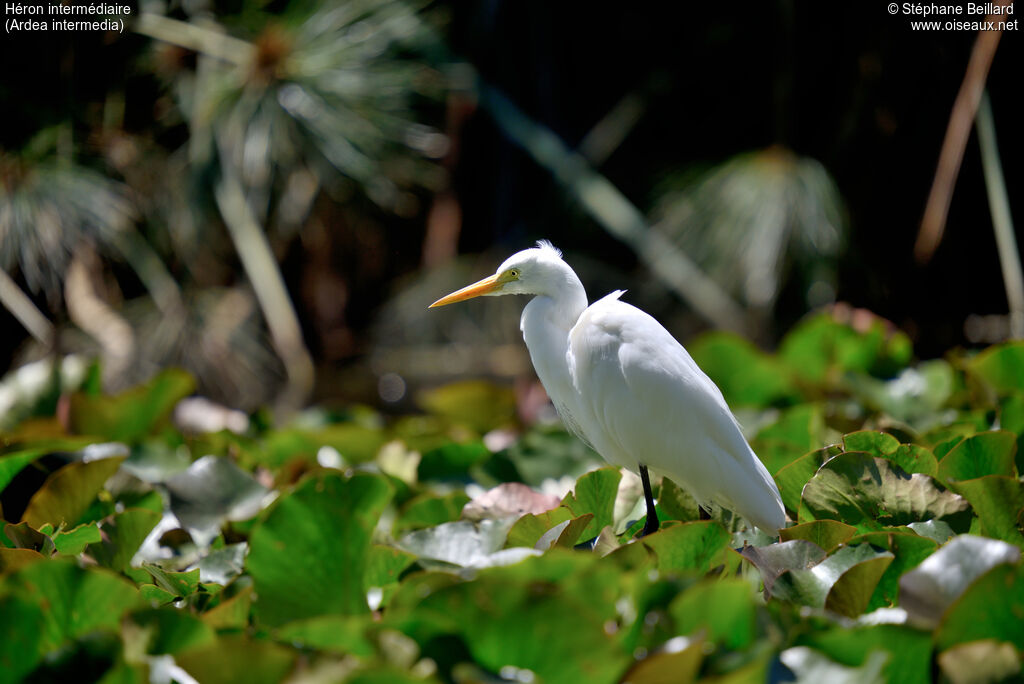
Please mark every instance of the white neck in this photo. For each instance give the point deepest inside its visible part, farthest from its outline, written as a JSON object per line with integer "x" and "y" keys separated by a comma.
{"x": 546, "y": 322}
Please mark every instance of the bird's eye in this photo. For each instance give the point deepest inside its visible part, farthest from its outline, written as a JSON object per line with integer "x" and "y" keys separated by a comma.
{"x": 514, "y": 273}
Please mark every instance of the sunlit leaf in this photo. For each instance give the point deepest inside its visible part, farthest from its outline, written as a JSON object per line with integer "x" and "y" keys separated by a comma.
{"x": 940, "y": 579}
{"x": 990, "y": 608}
{"x": 595, "y": 493}
{"x": 1001, "y": 367}
{"x": 464, "y": 544}
{"x": 909, "y": 649}
{"x": 180, "y": 584}
{"x": 999, "y": 501}
{"x": 792, "y": 478}
{"x": 74, "y": 541}
{"x": 321, "y": 532}
{"x": 828, "y": 534}
{"x": 212, "y": 490}
{"x": 987, "y": 453}
{"x": 528, "y": 529}
{"x": 799, "y": 429}
{"x": 861, "y": 490}
{"x": 908, "y": 549}
{"x": 985, "y": 660}
{"x": 692, "y": 546}
{"x": 777, "y": 559}
{"x": 482, "y": 406}
{"x": 123, "y": 535}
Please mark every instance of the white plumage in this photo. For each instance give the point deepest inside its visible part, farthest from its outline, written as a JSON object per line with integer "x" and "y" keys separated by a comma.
{"x": 624, "y": 385}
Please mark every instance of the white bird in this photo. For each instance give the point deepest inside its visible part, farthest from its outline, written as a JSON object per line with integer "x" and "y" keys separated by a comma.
{"x": 627, "y": 388}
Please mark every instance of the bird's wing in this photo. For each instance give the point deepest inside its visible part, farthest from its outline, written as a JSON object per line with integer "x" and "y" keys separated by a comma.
{"x": 642, "y": 399}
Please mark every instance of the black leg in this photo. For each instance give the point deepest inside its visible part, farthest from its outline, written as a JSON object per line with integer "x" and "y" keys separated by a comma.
{"x": 651, "y": 525}
{"x": 703, "y": 514}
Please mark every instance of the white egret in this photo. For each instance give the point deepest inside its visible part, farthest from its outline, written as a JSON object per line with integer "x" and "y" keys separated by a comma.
{"x": 627, "y": 388}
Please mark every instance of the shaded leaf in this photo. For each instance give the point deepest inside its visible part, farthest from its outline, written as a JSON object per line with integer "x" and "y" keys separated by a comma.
{"x": 851, "y": 594}
{"x": 21, "y": 636}
{"x": 237, "y": 658}
{"x": 332, "y": 633}
{"x": 872, "y": 442}
{"x": 131, "y": 414}
{"x": 676, "y": 503}
{"x": 909, "y": 649}
{"x": 24, "y": 537}
{"x": 74, "y": 541}
{"x": 67, "y": 493}
{"x": 179, "y": 584}
{"x": 1001, "y": 367}
{"x": 165, "y": 630}
{"x": 746, "y": 375}
{"x": 530, "y": 528}
{"x": 212, "y": 490}
{"x": 231, "y": 613}
{"x": 776, "y": 559}
{"x": 851, "y": 572}
{"x": 998, "y": 500}
{"x": 451, "y": 460}
{"x": 13, "y": 460}
{"x": 669, "y": 667}
{"x": 799, "y": 429}
{"x": 909, "y": 550}
{"x": 429, "y": 509}
{"x": 828, "y": 534}
{"x": 792, "y": 478}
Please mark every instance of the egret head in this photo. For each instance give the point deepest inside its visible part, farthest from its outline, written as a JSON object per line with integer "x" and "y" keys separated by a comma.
{"x": 536, "y": 271}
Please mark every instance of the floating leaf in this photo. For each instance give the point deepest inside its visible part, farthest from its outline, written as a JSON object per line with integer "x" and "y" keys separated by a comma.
{"x": 451, "y": 461}
{"x": 723, "y": 609}
{"x": 124, "y": 534}
{"x": 231, "y": 613}
{"x": 909, "y": 550}
{"x": 861, "y": 490}
{"x": 509, "y": 499}
{"x": 77, "y": 600}
{"x": 828, "y": 534}
{"x": 166, "y": 630}
{"x": 131, "y": 414}
{"x": 851, "y": 594}
{"x": 67, "y": 493}
{"x": 746, "y": 375}
{"x": 320, "y": 532}
{"x": 464, "y": 544}
{"x": 665, "y": 667}
{"x": 72, "y": 542}
{"x": 998, "y": 500}
{"x": 990, "y": 608}
{"x": 872, "y": 442}
{"x": 179, "y": 584}
{"x": 909, "y": 649}
{"x": 776, "y": 559}
{"x": 799, "y": 429}
{"x": 21, "y": 635}
{"x": 595, "y": 493}
{"x": 929, "y": 589}
{"x": 427, "y": 510}
{"x": 692, "y": 546}
{"x": 213, "y": 490}
{"x": 676, "y": 503}
{"x": 237, "y": 658}
{"x": 986, "y": 660}
{"x": 843, "y": 582}
{"x": 530, "y": 528}
{"x": 987, "y": 453}
{"x": 1001, "y": 367}
{"x": 792, "y": 478}
{"x": 343, "y": 634}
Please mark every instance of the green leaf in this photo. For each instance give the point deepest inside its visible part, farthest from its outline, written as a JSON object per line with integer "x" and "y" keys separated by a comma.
{"x": 843, "y": 582}
{"x": 131, "y": 414}
{"x": 913, "y": 458}
{"x": 21, "y": 635}
{"x": 429, "y": 509}
{"x": 909, "y": 550}
{"x": 987, "y": 453}
{"x": 676, "y": 503}
{"x": 746, "y": 375}
{"x": 871, "y": 441}
{"x": 124, "y": 534}
{"x": 998, "y": 500}
{"x": 774, "y": 560}
{"x": 451, "y": 461}
{"x": 828, "y": 534}
{"x": 179, "y": 584}
{"x": 992, "y": 607}
{"x": 76, "y": 600}
{"x": 691, "y": 546}
{"x": 343, "y": 634}
{"x": 798, "y": 430}
{"x": 320, "y": 532}
{"x": 595, "y": 493}
{"x": 1001, "y": 367}
{"x": 463, "y": 544}
{"x": 237, "y": 658}
{"x": 940, "y": 579}
{"x": 482, "y": 406}
{"x": 792, "y": 478}
{"x": 724, "y": 609}
{"x": 529, "y": 528}
{"x": 915, "y": 396}
{"x": 14, "y": 460}
{"x": 24, "y": 537}
{"x": 384, "y": 564}
{"x": 909, "y": 649}
{"x": 871, "y": 493}
{"x": 166, "y": 630}
{"x": 73, "y": 542}
{"x": 820, "y": 349}
{"x": 231, "y": 613}
{"x": 677, "y": 667}
{"x": 69, "y": 491}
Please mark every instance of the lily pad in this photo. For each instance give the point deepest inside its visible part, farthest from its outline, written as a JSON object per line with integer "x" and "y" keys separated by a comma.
{"x": 213, "y": 490}
{"x": 870, "y": 492}
{"x": 123, "y": 535}
{"x": 990, "y": 608}
{"x": 987, "y": 453}
{"x": 723, "y": 609}
{"x": 464, "y": 544}
{"x": 928, "y": 590}
{"x": 792, "y": 478}
{"x": 828, "y": 534}
{"x": 595, "y": 493}
{"x": 693, "y": 546}
{"x": 131, "y": 414}
{"x": 746, "y": 375}
{"x": 320, "y": 532}
{"x": 69, "y": 491}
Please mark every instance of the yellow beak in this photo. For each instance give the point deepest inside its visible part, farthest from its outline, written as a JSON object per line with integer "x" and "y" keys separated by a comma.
{"x": 481, "y": 287}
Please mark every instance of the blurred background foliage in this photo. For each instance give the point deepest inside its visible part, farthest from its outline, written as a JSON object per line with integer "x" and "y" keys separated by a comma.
{"x": 267, "y": 195}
